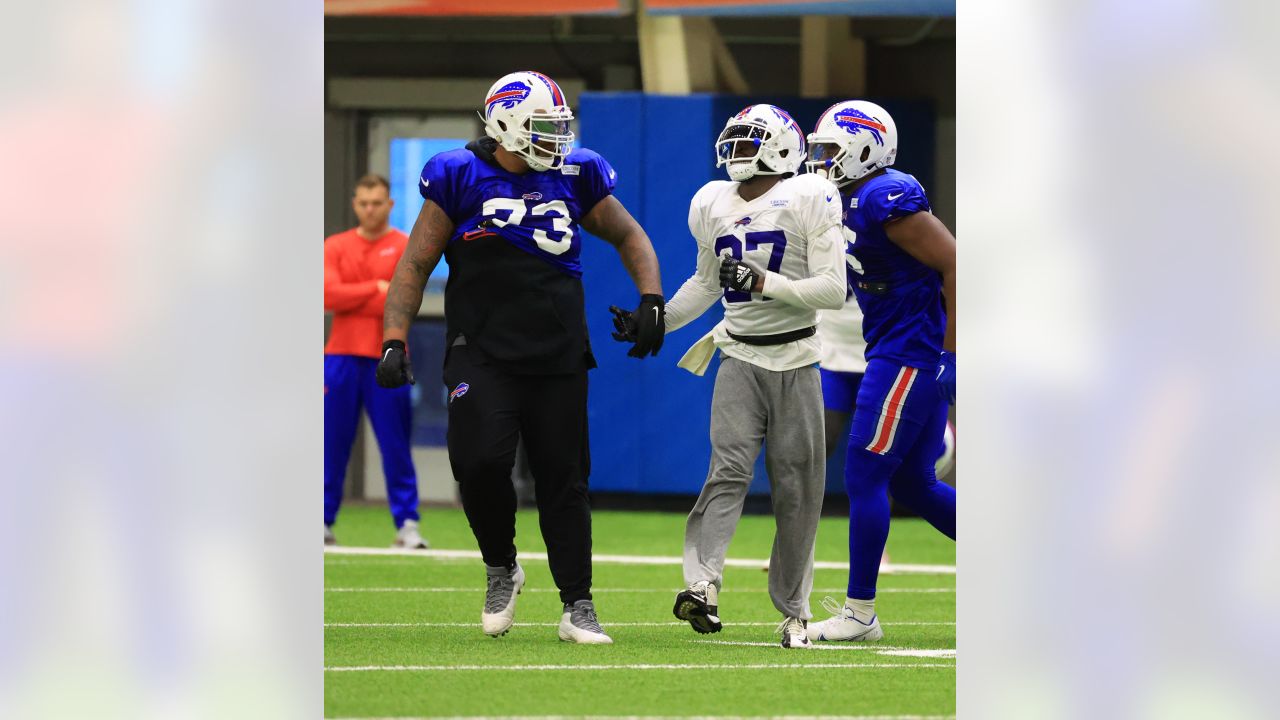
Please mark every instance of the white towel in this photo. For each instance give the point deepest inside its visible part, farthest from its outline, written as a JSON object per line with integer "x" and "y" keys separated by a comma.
{"x": 698, "y": 356}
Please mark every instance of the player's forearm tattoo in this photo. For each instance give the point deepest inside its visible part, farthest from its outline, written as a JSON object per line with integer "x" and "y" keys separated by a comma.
{"x": 426, "y": 244}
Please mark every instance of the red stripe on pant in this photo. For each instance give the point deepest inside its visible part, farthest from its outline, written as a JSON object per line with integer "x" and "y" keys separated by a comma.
{"x": 892, "y": 406}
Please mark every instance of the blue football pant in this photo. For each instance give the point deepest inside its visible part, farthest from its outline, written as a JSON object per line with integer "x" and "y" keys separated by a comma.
{"x": 893, "y": 443}
{"x": 349, "y": 385}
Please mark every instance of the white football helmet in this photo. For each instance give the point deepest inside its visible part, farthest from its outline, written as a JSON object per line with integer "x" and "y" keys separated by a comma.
{"x": 527, "y": 114}
{"x": 760, "y": 140}
{"x": 852, "y": 138}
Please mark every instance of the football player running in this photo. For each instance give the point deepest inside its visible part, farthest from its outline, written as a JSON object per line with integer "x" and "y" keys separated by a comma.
{"x": 506, "y": 213}
{"x": 770, "y": 248}
{"x": 905, "y": 260}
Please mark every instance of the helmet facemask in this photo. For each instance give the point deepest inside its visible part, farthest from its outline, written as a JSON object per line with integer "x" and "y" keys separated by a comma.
{"x": 740, "y": 146}
{"x": 543, "y": 140}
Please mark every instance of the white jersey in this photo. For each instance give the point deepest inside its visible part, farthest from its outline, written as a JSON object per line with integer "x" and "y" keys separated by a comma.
{"x": 793, "y": 236}
{"x": 843, "y": 347}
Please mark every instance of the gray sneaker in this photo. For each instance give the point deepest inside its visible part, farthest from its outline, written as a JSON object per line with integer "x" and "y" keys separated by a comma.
{"x": 500, "y": 599}
{"x": 579, "y": 625}
{"x": 409, "y": 538}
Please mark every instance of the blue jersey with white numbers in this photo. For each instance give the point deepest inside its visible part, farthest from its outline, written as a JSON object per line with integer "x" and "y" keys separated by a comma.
{"x": 515, "y": 273}
{"x": 900, "y": 297}
{"x": 537, "y": 212}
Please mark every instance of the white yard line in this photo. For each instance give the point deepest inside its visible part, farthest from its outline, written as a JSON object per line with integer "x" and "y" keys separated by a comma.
{"x": 877, "y": 649}
{"x": 888, "y": 568}
{"x": 673, "y": 623}
{"x": 478, "y": 589}
{"x": 629, "y": 666}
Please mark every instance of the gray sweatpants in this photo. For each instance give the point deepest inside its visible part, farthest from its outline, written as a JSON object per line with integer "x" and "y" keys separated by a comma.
{"x": 783, "y": 410}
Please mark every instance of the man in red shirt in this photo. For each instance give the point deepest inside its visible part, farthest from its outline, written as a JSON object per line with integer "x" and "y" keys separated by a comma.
{"x": 358, "y": 265}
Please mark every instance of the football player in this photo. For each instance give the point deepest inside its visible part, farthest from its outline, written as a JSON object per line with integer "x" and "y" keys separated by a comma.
{"x": 507, "y": 212}
{"x": 905, "y": 263}
{"x": 769, "y": 248}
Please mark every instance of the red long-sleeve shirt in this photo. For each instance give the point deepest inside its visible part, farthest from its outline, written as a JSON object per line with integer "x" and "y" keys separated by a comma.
{"x": 352, "y": 268}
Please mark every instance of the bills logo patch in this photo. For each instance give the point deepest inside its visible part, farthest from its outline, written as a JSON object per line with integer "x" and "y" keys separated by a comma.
{"x": 507, "y": 96}
{"x": 743, "y": 222}
{"x": 458, "y": 392}
{"x": 532, "y": 196}
{"x": 855, "y": 121}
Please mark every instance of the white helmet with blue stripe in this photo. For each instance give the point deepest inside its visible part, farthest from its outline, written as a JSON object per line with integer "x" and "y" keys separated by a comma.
{"x": 760, "y": 140}
{"x": 852, "y": 139}
{"x": 527, "y": 114}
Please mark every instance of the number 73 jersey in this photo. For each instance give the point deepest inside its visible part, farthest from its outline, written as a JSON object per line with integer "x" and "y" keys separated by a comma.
{"x": 787, "y": 231}
{"x": 537, "y": 212}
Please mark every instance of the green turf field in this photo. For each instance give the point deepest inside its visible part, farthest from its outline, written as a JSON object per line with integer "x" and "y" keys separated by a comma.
{"x": 402, "y": 634}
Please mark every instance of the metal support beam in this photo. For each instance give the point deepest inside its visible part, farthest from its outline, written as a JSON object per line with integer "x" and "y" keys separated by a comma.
{"x": 681, "y": 55}
{"x": 832, "y": 60}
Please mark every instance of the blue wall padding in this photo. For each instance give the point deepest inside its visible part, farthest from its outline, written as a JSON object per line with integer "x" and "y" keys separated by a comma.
{"x": 649, "y": 419}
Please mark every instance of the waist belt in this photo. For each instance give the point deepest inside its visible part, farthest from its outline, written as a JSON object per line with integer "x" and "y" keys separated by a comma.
{"x": 779, "y": 339}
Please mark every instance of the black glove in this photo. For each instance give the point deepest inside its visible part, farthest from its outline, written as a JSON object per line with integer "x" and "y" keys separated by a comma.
{"x": 736, "y": 275}
{"x": 394, "y": 369}
{"x": 646, "y": 327}
{"x": 624, "y": 325}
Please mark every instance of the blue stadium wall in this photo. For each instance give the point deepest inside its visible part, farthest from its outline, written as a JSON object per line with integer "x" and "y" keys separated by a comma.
{"x": 649, "y": 419}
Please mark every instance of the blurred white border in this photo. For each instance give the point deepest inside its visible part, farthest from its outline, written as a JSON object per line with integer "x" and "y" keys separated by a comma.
{"x": 1120, "y": 545}
{"x": 160, "y": 390}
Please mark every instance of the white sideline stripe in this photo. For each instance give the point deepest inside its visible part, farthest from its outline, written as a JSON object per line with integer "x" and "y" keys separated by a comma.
{"x": 922, "y": 653}
{"x": 637, "y": 666}
{"x": 608, "y": 590}
{"x": 887, "y": 568}
{"x": 673, "y": 623}
{"x": 877, "y": 649}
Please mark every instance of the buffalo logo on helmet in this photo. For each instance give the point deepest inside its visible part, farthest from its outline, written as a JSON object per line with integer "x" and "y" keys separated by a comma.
{"x": 508, "y": 96}
{"x": 786, "y": 118}
{"x": 855, "y": 121}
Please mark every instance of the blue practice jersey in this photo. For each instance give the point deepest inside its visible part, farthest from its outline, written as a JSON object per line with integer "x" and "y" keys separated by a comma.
{"x": 537, "y": 212}
{"x": 900, "y": 297}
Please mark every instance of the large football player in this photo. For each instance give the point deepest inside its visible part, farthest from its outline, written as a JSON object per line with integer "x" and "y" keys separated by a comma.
{"x": 769, "y": 248}
{"x": 506, "y": 212}
{"x": 905, "y": 264}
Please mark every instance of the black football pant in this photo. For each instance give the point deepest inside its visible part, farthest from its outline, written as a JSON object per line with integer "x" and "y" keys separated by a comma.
{"x": 489, "y": 409}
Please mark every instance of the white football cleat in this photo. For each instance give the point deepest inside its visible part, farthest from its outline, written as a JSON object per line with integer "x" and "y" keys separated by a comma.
{"x": 500, "y": 599}
{"x": 793, "y": 634}
{"x": 408, "y": 537}
{"x": 329, "y": 539}
{"x": 578, "y": 624}
{"x": 844, "y": 626}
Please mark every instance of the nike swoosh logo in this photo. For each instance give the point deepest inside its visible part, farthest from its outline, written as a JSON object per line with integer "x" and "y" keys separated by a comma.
{"x": 655, "y": 315}
{"x": 895, "y": 197}
{"x": 385, "y": 354}
{"x": 829, "y": 198}
{"x": 940, "y": 369}
{"x": 425, "y": 182}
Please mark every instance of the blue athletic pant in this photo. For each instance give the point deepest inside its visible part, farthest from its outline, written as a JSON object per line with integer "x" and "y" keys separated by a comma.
{"x": 893, "y": 443}
{"x": 349, "y": 385}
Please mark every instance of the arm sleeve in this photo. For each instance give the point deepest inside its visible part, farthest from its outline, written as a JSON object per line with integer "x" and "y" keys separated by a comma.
{"x": 596, "y": 179}
{"x": 342, "y": 296}
{"x": 826, "y": 286}
{"x": 895, "y": 200}
{"x": 436, "y": 184}
{"x": 702, "y": 289}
